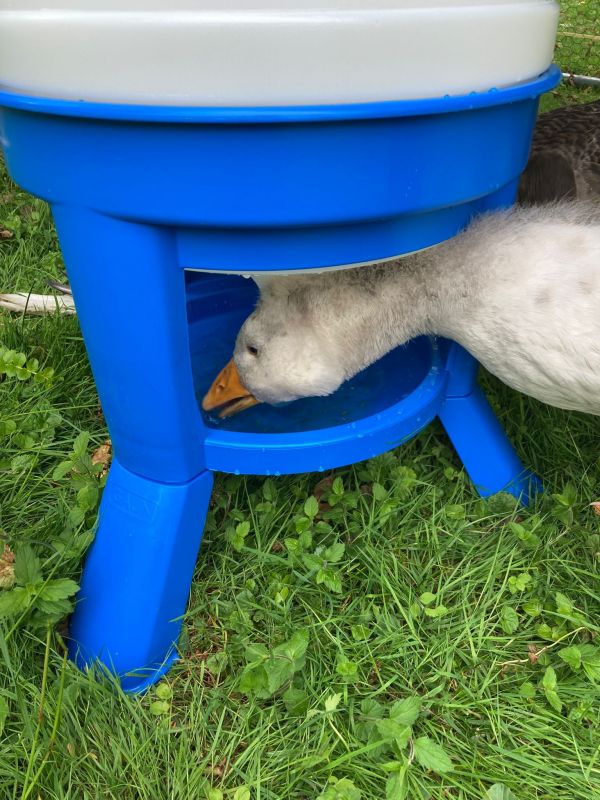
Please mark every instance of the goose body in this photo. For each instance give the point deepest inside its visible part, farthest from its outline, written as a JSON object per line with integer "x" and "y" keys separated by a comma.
{"x": 565, "y": 156}
{"x": 519, "y": 289}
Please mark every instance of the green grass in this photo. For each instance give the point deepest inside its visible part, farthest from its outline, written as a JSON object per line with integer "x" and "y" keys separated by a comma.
{"x": 513, "y": 590}
{"x": 577, "y": 50}
{"x": 578, "y": 43}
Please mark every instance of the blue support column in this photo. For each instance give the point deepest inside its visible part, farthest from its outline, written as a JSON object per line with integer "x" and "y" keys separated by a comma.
{"x": 479, "y": 439}
{"x": 130, "y": 296}
{"x": 137, "y": 575}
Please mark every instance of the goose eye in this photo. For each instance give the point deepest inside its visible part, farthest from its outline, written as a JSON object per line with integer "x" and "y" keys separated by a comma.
{"x": 252, "y": 350}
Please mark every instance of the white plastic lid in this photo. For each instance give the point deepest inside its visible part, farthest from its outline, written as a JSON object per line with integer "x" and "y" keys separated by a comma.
{"x": 270, "y": 52}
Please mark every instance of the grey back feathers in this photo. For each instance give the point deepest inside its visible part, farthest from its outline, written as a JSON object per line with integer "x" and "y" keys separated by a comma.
{"x": 565, "y": 156}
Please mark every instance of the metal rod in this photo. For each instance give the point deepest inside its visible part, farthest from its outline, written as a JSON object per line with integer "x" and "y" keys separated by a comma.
{"x": 581, "y": 80}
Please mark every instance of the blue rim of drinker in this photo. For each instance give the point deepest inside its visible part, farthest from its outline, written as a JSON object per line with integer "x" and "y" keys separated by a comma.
{"x": 527, "y": 90}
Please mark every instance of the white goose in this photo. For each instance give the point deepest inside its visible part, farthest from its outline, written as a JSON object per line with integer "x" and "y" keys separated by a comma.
{"x": 519, "y": 289}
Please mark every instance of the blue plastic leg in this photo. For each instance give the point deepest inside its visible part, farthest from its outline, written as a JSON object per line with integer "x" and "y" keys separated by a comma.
{"x": 130, "y": 295}
{"x": 462, "y": 370}
{"x": 484, "y": 449}
{"x": 476, "y": 434}
{"x": 137, "y": 576}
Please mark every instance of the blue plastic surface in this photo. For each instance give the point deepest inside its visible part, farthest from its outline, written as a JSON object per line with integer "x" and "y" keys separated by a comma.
{"x": 131, "y": 305}
{"x": 296, "y": 190}
{"x": 482, "y": 446}
{"x": 137, "y": 575}
{"x": 138, "y": 195}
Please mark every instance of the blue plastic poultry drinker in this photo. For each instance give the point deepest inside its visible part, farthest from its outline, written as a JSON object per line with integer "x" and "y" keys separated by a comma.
{"x": 142, "y": 192}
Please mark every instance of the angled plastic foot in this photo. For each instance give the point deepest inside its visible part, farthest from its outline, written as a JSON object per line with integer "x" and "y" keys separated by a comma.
{"x": 484, "y": 449}
{"x": 137, "y": 576}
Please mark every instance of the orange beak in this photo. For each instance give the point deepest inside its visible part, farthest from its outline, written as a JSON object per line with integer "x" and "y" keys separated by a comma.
{"x": 228, "y": 393}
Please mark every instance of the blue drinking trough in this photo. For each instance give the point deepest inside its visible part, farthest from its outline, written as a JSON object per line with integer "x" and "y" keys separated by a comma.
{"x": 140, "y": 194}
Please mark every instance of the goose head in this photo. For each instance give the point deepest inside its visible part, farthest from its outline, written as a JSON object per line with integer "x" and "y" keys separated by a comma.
{"x": 280, "y": 355}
